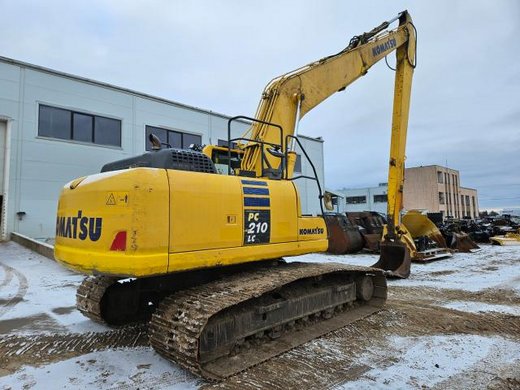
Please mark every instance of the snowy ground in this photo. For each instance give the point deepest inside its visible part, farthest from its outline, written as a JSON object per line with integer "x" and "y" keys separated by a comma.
{"x": 453, "y": 324}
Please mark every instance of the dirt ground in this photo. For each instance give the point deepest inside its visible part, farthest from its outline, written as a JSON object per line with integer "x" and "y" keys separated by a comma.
{"x": 454, "y": 324}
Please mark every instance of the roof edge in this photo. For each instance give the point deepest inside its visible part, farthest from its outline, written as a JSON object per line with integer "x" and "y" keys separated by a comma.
{"x": 71, "y": 76}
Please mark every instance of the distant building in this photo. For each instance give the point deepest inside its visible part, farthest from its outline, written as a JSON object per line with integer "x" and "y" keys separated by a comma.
{"x": 512, "y": 211}
{"x": 433, "y": 188}
{"x": 365, "y": 199}
{"x": 437, "y": 189}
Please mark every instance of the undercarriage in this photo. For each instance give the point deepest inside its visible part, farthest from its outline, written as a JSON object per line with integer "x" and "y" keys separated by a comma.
{"x": 219, "y": 323}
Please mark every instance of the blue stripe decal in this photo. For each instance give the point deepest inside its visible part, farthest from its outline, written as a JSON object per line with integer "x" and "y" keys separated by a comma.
{"x": 256, "y": 191}
{"x": 257, "y": 202}
{"x": 254, "y": 183}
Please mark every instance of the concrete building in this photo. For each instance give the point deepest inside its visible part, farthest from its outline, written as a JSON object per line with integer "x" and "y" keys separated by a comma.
{"x": 433, "y": 188}
{"x": 365, "y": 199}
{"x": 437, "y": 189}
{"x": 55, "y": 127}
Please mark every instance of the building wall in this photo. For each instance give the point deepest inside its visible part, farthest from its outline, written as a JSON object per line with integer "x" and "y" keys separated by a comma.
{"x": 418, "y": 193}
{"x": 469, "y": 202}
{"x": 437, "y": 189}
{"x": 433, "y": 188}
{"x": 37, "y": 167}
{"x": 371, "y": 199}
{"x": 308, "y": 189}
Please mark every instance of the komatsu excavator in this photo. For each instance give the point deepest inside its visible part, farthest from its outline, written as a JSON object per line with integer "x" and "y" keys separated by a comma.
{"x": 167, "y": 238}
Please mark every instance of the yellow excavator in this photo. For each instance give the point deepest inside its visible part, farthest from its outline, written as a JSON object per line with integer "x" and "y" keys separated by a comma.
{"x": 168, "y": 239}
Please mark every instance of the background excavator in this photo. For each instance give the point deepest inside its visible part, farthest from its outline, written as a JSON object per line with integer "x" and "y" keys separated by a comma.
{"x": 168, "y": 239}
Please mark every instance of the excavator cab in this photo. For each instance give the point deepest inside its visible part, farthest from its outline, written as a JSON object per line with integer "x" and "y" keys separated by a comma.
{"x": 224, "y": 156}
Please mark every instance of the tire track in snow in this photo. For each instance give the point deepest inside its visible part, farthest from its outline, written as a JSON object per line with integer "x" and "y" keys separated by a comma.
{"x": 18, "y": 350}
{"x": 23, "y": 285}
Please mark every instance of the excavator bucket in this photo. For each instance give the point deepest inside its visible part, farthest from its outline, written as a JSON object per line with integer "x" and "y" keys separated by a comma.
{"x": 430, "y": 243}
{"x": 509, "y": 239}
{"x": 462, "y": 242}
{"x": 370, "y": 226}
{"x": 372, "y": 242}
{"x": 420, "y": 225}
{"x": 343, "y": 236}
{"x": 395, "y": 259}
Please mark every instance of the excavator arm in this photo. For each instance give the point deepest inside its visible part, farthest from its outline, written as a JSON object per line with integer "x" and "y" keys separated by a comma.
{"x": 397, "y": 247}
{"x": 286, "y": 99}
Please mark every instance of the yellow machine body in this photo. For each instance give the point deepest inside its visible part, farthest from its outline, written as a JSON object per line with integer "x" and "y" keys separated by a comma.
{"x": 149, "y": 221}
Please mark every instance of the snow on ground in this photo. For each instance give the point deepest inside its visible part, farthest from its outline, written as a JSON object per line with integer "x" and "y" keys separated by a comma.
{"x": 120, "y": 369}
{"x": 490, "y": 267}
{"x": 412, "y": 362}
{"x": 480, "y": 307}
{"x": 38, "y": 295}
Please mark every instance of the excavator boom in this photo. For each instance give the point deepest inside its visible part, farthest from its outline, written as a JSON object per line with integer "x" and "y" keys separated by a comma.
{"x": 287, "y": 98}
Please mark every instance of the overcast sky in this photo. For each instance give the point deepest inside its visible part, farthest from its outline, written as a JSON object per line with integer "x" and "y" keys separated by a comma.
{"x": 218, "y": 55}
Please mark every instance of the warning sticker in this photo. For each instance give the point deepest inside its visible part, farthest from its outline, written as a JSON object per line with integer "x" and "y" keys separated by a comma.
{"x": 117, "y": 199}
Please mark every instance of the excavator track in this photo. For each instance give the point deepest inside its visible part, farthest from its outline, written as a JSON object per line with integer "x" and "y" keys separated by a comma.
{"x": 224, "y": 327}
{"x": 112, "y": 302}
{"x": 89, "y": 297}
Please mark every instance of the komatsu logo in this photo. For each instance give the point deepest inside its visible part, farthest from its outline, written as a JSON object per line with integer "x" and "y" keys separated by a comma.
{"x": 381, "y": 48}
{"x": 318, "y": 230}
{"x": 79, "y": 227}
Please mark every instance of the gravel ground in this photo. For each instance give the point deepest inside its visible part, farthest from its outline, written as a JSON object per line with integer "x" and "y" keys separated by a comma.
{"x": 454, "y": 323}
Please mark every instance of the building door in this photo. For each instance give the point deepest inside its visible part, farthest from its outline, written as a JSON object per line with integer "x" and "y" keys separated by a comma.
{"x": 3, "y": 131}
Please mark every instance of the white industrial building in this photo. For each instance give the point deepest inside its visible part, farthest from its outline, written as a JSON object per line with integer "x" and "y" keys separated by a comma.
{"x": 364, "y": 199}
{"x": 55, "y": 127}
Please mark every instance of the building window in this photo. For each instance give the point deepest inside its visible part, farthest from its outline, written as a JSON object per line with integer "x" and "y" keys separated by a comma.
{"x": 224, "y": 143}
{"x": 298, "y": 164}
{"x": 77, "y": 126}
{"x": 380, "y": 198}
{"x": 441, "y": 198}
{"x": 439, "y": 177}
{"x": 356, "y": 199}
{"x": 175, "y": 139}
{"x": 467, "y": 200}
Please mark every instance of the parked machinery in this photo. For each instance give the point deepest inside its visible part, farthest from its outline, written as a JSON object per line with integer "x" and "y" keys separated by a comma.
{"x": 344, "y": 236}
{"x": 171, "y": 240}
{"x": 370, "y": 225}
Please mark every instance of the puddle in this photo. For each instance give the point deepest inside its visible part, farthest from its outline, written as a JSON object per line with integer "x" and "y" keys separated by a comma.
{"x": 64, "y": 310}
{"x": 37, "y": 322}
